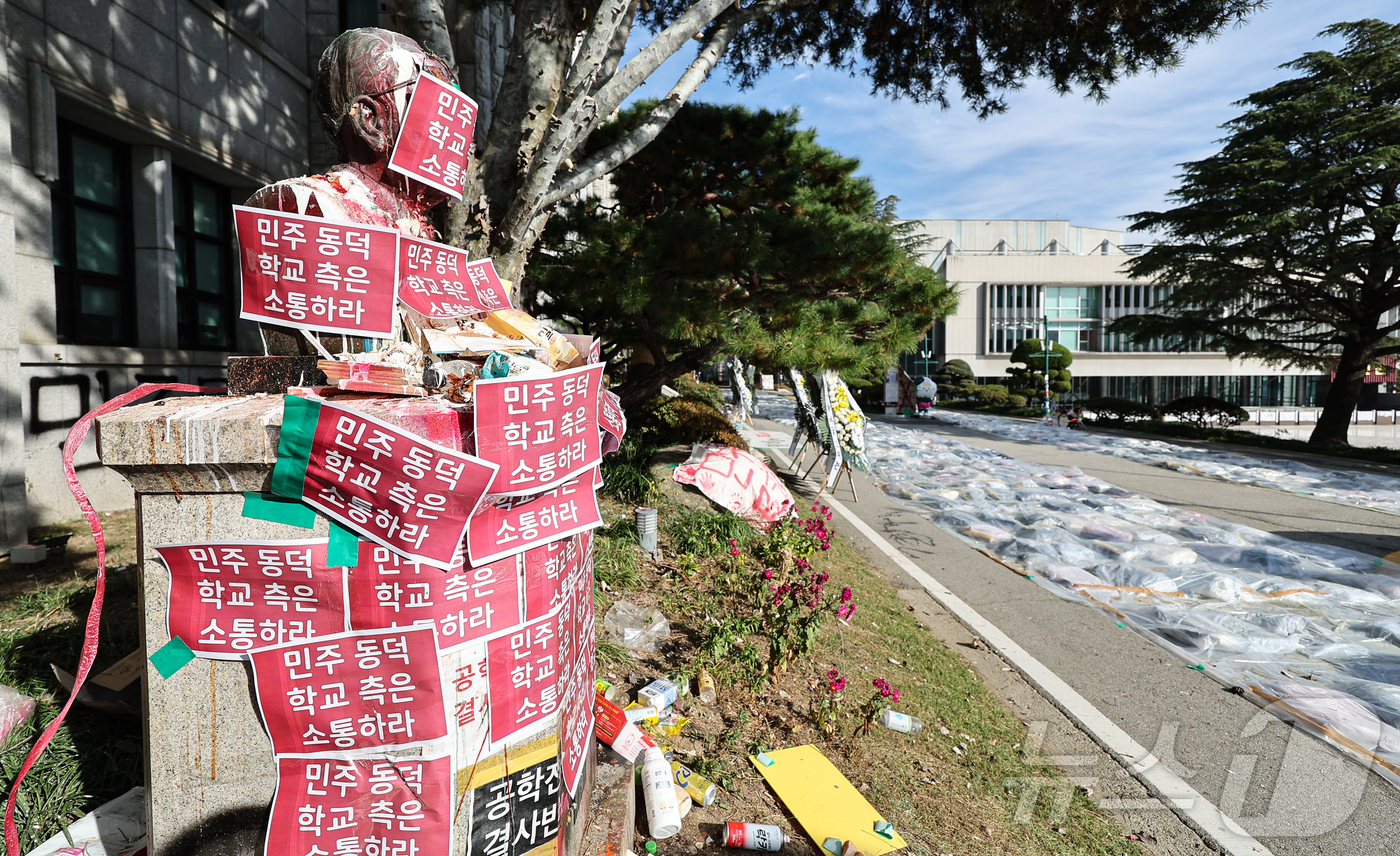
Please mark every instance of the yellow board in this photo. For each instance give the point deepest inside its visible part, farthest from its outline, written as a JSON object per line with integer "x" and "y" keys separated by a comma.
{"x": 824, "y": 802}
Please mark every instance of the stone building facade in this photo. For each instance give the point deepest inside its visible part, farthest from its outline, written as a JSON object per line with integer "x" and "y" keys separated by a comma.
{"x": 127, "y": 128}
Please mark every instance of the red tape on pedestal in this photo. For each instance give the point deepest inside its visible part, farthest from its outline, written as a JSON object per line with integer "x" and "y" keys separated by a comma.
{"x": 70, "y": 447}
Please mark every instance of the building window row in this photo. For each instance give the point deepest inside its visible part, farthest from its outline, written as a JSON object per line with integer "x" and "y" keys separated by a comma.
{"x": 1073, "y": 316}
{"x": 94, "y": 249}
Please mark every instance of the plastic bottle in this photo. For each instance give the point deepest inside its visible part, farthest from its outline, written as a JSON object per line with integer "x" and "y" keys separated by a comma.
{"x": 707, "y": 687}
{"x": 659, "y": 792}
{"x": 754, "y": 836}
{"x": 896, "y": 721}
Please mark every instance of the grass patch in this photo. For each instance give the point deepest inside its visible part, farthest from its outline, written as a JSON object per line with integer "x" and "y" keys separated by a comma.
{"x": 94, "y": 757}
{"x": 702, "y": 532}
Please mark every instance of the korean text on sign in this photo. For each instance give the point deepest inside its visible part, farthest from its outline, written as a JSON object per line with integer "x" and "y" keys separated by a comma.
{"x": 351, "y": 691}
{"x": 339, "y": 806}
{"x": 524, "y": 679}
{"x": 576, "y": 721}
{"x": 540, "y": 430}
{"x": 438, "y": 281}
{"x": 228, "y": 598}
{"x": 469, "y": 693}
{"x": 518, "y": 813}
{"x": 546, "y": 569}
{"x": 464, "y": 604}
{"x": 435, "y": 137}
{"x": 514, "y": 525}
{"x": 316, "y": 274}
{"x": 391, "y": 487}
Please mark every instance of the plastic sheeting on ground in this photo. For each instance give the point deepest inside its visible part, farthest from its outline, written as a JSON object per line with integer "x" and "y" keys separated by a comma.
{"x": 1348, "y": 487}
{"x": 737, "y": 481}
{"x": 1311, "y": 630}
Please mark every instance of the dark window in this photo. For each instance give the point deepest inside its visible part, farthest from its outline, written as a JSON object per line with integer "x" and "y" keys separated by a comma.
{"x": 358, "y": 13}
{"x": 203, "y": 264}
{"x": 92, "y": 240}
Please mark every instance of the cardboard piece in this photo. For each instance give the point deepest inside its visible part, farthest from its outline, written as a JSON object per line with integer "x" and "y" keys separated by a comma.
{"x": 116, "y": 690}
{"x": 116, "y": 828}
{"x": 823, "y": 801}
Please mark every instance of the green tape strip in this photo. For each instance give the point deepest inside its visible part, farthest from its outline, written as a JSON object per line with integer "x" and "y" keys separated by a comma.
{"x": 278, "y": 509}
{"x": 294, "y": 447}
{"x": 344, "y": 548}
{"x": 172, "y": 658}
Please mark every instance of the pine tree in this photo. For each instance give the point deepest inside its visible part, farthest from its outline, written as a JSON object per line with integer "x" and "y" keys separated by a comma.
{"x": 736, "y": 232}
{"x": 1285, "y": 242}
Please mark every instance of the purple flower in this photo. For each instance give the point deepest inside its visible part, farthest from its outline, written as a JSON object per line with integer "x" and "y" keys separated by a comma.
{"x": 833, "y": 675}
{"x": 846, "y": 594}
{"x": 837, "y": 685}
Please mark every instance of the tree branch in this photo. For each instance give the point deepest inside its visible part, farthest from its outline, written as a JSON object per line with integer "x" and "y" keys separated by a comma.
{"x": 605, "y": 160}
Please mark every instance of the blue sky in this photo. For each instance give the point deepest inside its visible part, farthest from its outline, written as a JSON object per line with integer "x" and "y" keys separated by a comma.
{"x": 1047, "y": 156}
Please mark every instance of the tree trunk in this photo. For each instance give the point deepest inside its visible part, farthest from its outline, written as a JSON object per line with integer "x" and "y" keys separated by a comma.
{"x": 1335, "y": 421}
{"x": 644, "y": 382}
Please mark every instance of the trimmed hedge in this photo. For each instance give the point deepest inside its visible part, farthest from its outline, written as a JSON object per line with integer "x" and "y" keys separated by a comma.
{"x": 1204, "y": 411}
{"x": 1110, "y": 409}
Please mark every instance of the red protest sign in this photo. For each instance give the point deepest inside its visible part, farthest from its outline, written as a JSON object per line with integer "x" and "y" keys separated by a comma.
{"x": 388, "y": 590}
{"x": 391, "y": 487}
{"x": 438, "y": 281}
{"x": 435, "y": 136}
{"x": 316, "y": 274}
{"x": 546, "y": 569}
{"x": 340, "y": 805}
{"x": 513, "y": 525}
{"x": 612, "y": 420}
{"x": 351, "y": 691}
{"x": 228, "y": 598}
{"x": 541, "y": 430}
{"x": 576, "y": 721}
{"x": 524, "y": 680}
{"x": 585, "y": 627}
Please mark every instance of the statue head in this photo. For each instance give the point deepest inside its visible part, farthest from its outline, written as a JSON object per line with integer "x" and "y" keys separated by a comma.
{"x": 363, "y": 84}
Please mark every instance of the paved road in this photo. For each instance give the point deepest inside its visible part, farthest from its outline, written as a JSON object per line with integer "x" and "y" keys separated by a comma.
{"x": 1293, "y": 793}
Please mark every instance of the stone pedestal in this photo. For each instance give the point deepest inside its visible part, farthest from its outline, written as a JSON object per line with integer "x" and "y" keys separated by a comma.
{"x": 210, "y": 772}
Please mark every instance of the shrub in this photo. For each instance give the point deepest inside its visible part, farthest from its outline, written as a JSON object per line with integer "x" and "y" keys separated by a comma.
{"x": 1016, "y": 400}
{"x": 991, "y": 393}
{"x": 1204, "y": 411}
{"x": 694, "y": 390}
{"x": 1110, "y": 409}
{"x": 668, "y": 421}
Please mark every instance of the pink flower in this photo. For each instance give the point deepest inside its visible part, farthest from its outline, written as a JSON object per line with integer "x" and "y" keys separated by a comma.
{"x": 833, "y": 675}
{"x": 894, "y": 696}
{"x": 837, "y": 685}
{"x": 733, "y": 552}
{"x": 768, "y": 575}
{"x": 846, "y": 594}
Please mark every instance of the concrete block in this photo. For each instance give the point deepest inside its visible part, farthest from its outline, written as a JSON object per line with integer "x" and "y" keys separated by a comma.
{"x": 30, "y": 201}
{"x": 142, "y": 48}
{"x": 32, "y": 7}
{"x": 68, "y": 57}
{"x": 214, "y": 131}
{"x": 243, "y": 108}
{"x": 246, "y": 66}
{"x": 161, "y": 14}
{"x": 203, "y": 36}
{"x": 25, "y": 37}
{"x": 201, "y": 82}
{"x": 249, "y": 149}
{"x": 284, "y": 134}
{"x": 85, "y": 20}
{"x": 322, "y": 24}
{"x": 28, "y": 554}
{"x": 145, "y": 97}
{"x": 286, "y": 34}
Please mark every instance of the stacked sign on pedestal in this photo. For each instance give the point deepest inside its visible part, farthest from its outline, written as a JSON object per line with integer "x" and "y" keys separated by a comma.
{"x": 459, "y": 626}
{"x": 425, "y": 674}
